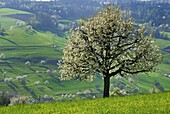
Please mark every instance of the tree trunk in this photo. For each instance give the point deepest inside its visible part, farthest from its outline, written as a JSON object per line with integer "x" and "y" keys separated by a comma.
{"x": 106, "y": 86}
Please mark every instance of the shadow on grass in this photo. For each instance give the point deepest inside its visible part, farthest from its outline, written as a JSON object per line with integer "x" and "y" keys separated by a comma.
{"x": 12, "y": 87}
{"x": 41, "y": 89}
{"x": 32, "y": 69}
{"x": 9, "y": 41}
{"x": 50, "y": 88}
{"x": 8, "y": 64}
{"x": 31, "y": 32}
{"x": 56, "y": 80}
{"x": 28, "y": 89}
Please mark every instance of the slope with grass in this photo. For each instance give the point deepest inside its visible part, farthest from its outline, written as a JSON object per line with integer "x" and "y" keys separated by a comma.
{"x": 7, "y": 22}
{"x": 41, "y": 51}
{"x": 135, "y": 104}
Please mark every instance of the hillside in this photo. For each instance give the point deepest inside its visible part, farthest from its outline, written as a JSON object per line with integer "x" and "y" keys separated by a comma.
{"x": 135, "y": 104}
{"x": 7, "y": 22}
{"x": 33, "y": 54}
{"x": 28, "y": 64}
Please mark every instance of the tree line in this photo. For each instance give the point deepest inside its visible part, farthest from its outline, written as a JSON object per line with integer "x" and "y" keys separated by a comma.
{"x": 155, "y": 12}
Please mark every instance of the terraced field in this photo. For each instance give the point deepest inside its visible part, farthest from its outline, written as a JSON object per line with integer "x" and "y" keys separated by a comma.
{"x": 33, "y": 54}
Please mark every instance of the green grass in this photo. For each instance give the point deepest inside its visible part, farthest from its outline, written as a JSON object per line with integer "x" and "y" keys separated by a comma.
{"x": 8, "y": 11}
{"x": 146, "y": 81}
{"x": 136, "y": 104}
{"x": 18, "y": 36}
{"x": 167, "y": 34}
{"x": 163, "y": 43}
{"x": 8, "y": 22}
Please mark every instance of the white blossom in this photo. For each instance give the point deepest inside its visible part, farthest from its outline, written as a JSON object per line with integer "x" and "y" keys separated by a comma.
{"x": 37, "y": 83}
{"x": 27, "y": 63}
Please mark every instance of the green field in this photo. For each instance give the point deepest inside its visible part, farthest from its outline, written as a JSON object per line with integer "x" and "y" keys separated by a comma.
{"x": 8, "y": 22}
{"x": 20, "y": 45}
{"x": 136, "y": 104}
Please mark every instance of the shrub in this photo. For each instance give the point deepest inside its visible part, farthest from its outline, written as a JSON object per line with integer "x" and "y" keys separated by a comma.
{"x": 136, "y": 90}
{"x": 118, "y": 92}
{"x": 29, "y": 27}
{"x": 19, "y": 100}
{"x": 158, "y": 86}
{"x": 8, "y": 80}
{"x": 46, "y": 82}
{"x": 27, "y": 63}
{"x": 37, "y": 83}
{"x": 2, "y": 56}
{"x": 4, "y": 99}
{"x": 4, "y": 74}
{"x": 154, "y": 90}
{"x": 42, "y": 61}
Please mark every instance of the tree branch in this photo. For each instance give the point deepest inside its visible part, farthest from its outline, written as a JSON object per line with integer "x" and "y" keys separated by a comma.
{"x": 116, "y": 72}
{"x": 90, "y": 46}
{"x": 135, "y": 72}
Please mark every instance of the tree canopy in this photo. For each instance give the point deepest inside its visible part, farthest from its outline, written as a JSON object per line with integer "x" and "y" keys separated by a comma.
{"x": 108, "y": 44}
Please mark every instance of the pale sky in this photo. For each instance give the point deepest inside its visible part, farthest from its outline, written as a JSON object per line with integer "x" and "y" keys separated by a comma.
{"x": 42, "y": 0}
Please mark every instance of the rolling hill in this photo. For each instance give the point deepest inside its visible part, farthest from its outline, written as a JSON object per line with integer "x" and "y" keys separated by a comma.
{"x": 32, "y": 54}
{"x": 28, "y": 63}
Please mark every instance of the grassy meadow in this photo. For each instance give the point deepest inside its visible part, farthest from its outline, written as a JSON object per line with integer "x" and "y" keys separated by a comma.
{"x": 8, "y": 22}
{"x": 157, "y": 103}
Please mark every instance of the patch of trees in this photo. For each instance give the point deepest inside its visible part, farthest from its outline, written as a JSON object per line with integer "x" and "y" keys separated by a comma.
{"x": 2, "y": 30}
{"x": 5, "y": 98}
{"x": 49, "y": 12}
{"x": 158, "y": 86}
{"x": 73, "y": 9}
{"x": 155, "y": 13}
{"x": 44, "y": 21}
